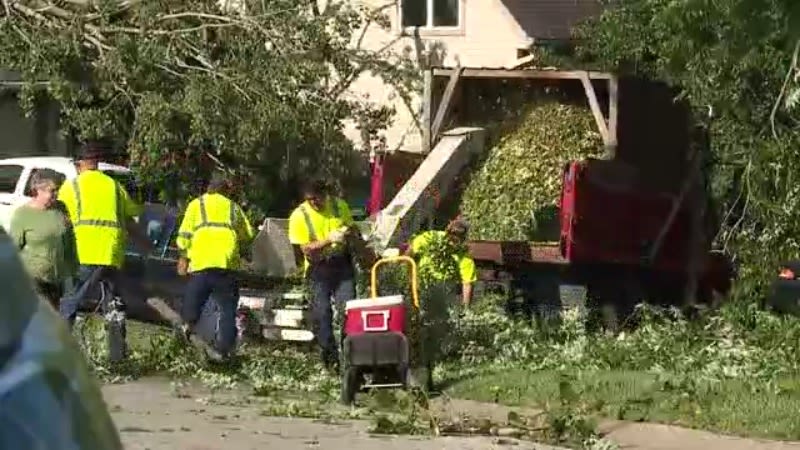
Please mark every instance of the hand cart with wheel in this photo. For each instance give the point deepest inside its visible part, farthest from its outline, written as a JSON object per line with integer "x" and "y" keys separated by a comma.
{"x": 376, "y": 347}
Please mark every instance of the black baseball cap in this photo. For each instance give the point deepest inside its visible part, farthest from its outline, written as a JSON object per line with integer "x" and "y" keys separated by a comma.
{"x": 94, "y": 149}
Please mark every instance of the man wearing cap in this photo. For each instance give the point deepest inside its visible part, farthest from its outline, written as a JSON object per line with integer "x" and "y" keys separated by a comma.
{"x": 319, "y": 227}
{"x": 463, "y": 264}
{"x": 212, "y": 235}
{"x": 101, "y": 212}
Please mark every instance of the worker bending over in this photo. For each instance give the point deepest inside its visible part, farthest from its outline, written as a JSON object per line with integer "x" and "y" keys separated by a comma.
{"x": 211, "y": 237}
{"x": 318, "y": 227}
{"x": 463, "y": 264}
{"x": 101, "y": 212}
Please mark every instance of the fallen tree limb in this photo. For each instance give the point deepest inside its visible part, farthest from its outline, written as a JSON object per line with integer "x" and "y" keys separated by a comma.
{"x": 168, "y": 313}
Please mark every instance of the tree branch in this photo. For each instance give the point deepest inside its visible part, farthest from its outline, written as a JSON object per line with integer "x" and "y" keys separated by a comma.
{"x": 792, "y": 69}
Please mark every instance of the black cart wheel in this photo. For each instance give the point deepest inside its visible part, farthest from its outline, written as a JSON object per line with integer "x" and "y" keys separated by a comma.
{"x": 351, "y": 383}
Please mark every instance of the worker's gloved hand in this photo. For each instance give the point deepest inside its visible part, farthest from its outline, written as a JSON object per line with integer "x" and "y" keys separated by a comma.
{"x": 337, "y": 236}
{"x": 390, "y": 253}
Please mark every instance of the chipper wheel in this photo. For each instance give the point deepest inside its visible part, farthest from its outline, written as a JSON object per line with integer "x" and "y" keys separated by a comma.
{"x": 351, "y": 383}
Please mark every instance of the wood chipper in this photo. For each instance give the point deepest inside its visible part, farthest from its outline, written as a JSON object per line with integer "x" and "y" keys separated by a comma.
{"x": 376, "y": 344}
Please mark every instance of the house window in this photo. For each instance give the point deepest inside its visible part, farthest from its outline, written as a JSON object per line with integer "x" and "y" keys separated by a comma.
{"x": 430, "y": 13}
{"x": 9, "y": 178}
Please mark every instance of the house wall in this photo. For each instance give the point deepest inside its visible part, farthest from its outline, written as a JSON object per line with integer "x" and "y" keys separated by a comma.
{"x": 28, "y": 136}
{"x": 489, "y": 36}
{"x": 551, "y": 19}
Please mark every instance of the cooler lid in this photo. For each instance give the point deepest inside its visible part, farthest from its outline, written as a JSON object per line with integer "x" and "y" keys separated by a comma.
{"x": 390, "y": 300}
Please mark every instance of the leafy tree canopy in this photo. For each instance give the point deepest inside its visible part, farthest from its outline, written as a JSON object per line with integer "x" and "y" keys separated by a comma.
{"x": 260, "y": 89}
{"x": 739, "y": 56}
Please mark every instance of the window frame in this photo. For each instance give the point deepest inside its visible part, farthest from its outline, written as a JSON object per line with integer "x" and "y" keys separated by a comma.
{"x": 429, "y": 29}
{"x": 22, "y": 173}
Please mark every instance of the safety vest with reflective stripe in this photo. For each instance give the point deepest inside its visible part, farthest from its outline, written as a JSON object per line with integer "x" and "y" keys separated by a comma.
{"x": 312, "y": 233}
{"x": 308, "y": 225}
{"x": 96, "y": 207}
{"x": 208, "y": 233}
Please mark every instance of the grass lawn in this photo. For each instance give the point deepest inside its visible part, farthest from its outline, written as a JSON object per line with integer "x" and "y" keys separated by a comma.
{"x": 729, "y": 407}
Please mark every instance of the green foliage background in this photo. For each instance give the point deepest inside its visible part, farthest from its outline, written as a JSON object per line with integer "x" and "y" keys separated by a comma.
{"x": 738, "y": 56}
{"x": 183, "y": 85}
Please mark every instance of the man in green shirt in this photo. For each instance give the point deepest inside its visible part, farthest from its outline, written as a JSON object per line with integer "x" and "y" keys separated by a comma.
{"x": 462, "y": 265}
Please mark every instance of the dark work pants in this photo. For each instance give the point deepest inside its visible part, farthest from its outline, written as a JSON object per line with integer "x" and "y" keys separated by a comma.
{"x": 335, "y": 279}
{"x": 52, "y": 292}
{"x": 90, "y": 277}
{"x": 222, "y": 286}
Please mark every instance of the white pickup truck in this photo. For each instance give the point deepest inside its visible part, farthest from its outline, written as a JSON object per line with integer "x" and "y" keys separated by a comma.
{"x": 15, "y": 175}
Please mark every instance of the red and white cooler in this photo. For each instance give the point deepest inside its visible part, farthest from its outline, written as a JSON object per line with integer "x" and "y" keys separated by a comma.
{"x": 375, "y": 315}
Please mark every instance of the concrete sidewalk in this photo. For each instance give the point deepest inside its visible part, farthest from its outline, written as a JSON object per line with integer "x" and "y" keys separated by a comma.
{"x": 652, "y": 436}
{"x": 629, "y": 435}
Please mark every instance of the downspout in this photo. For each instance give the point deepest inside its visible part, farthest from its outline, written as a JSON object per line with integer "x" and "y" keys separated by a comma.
{"x": 376, "y": 184}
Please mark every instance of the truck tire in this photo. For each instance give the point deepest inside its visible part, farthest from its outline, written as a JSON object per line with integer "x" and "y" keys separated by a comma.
{"x": 612, "y": 302}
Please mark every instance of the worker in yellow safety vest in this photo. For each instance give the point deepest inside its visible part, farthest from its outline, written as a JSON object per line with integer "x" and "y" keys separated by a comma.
{"x": 463, "y": 264}
{"x": 101, "y": 212}
{"x": 319, "y": 227}
{"x": 212, "y": 236}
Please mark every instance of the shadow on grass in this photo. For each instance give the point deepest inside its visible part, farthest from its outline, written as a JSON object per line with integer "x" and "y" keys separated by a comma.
{"x": 455, "y": 378}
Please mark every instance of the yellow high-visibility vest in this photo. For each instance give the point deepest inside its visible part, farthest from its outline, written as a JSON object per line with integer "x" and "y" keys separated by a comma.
{"x": 98, "y": 208}
{"x": 307, "y": 225}
{"x": 212, "y": 231}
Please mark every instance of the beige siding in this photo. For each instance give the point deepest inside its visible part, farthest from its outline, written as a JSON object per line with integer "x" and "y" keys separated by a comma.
{"x": 489, "y": 36}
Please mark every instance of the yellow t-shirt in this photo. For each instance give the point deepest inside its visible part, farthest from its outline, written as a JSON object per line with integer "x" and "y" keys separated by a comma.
{"x": 212, "y": 235}
{"x": 465, "y": 264}
{"x": 321, "y": 223}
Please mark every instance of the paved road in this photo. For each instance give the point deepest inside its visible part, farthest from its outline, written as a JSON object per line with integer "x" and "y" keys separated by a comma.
{"x": 150, "y": 416}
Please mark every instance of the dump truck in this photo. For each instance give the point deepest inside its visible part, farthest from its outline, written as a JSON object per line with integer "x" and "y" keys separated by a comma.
{"x": 616, "y": 247}
{"x": 629, "y": 228}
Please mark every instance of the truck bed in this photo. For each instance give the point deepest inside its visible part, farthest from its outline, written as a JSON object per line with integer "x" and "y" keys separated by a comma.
{"x": 509, "y": 253}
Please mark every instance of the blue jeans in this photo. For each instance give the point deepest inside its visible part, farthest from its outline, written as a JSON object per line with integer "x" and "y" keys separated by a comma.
{"x": 328, "y": 281}
{"x": 89, "y": 277}
{"x": 224, "y": 287}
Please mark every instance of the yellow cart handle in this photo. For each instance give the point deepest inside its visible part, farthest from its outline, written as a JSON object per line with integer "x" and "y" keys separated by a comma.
{"x": 393, "y": 260}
